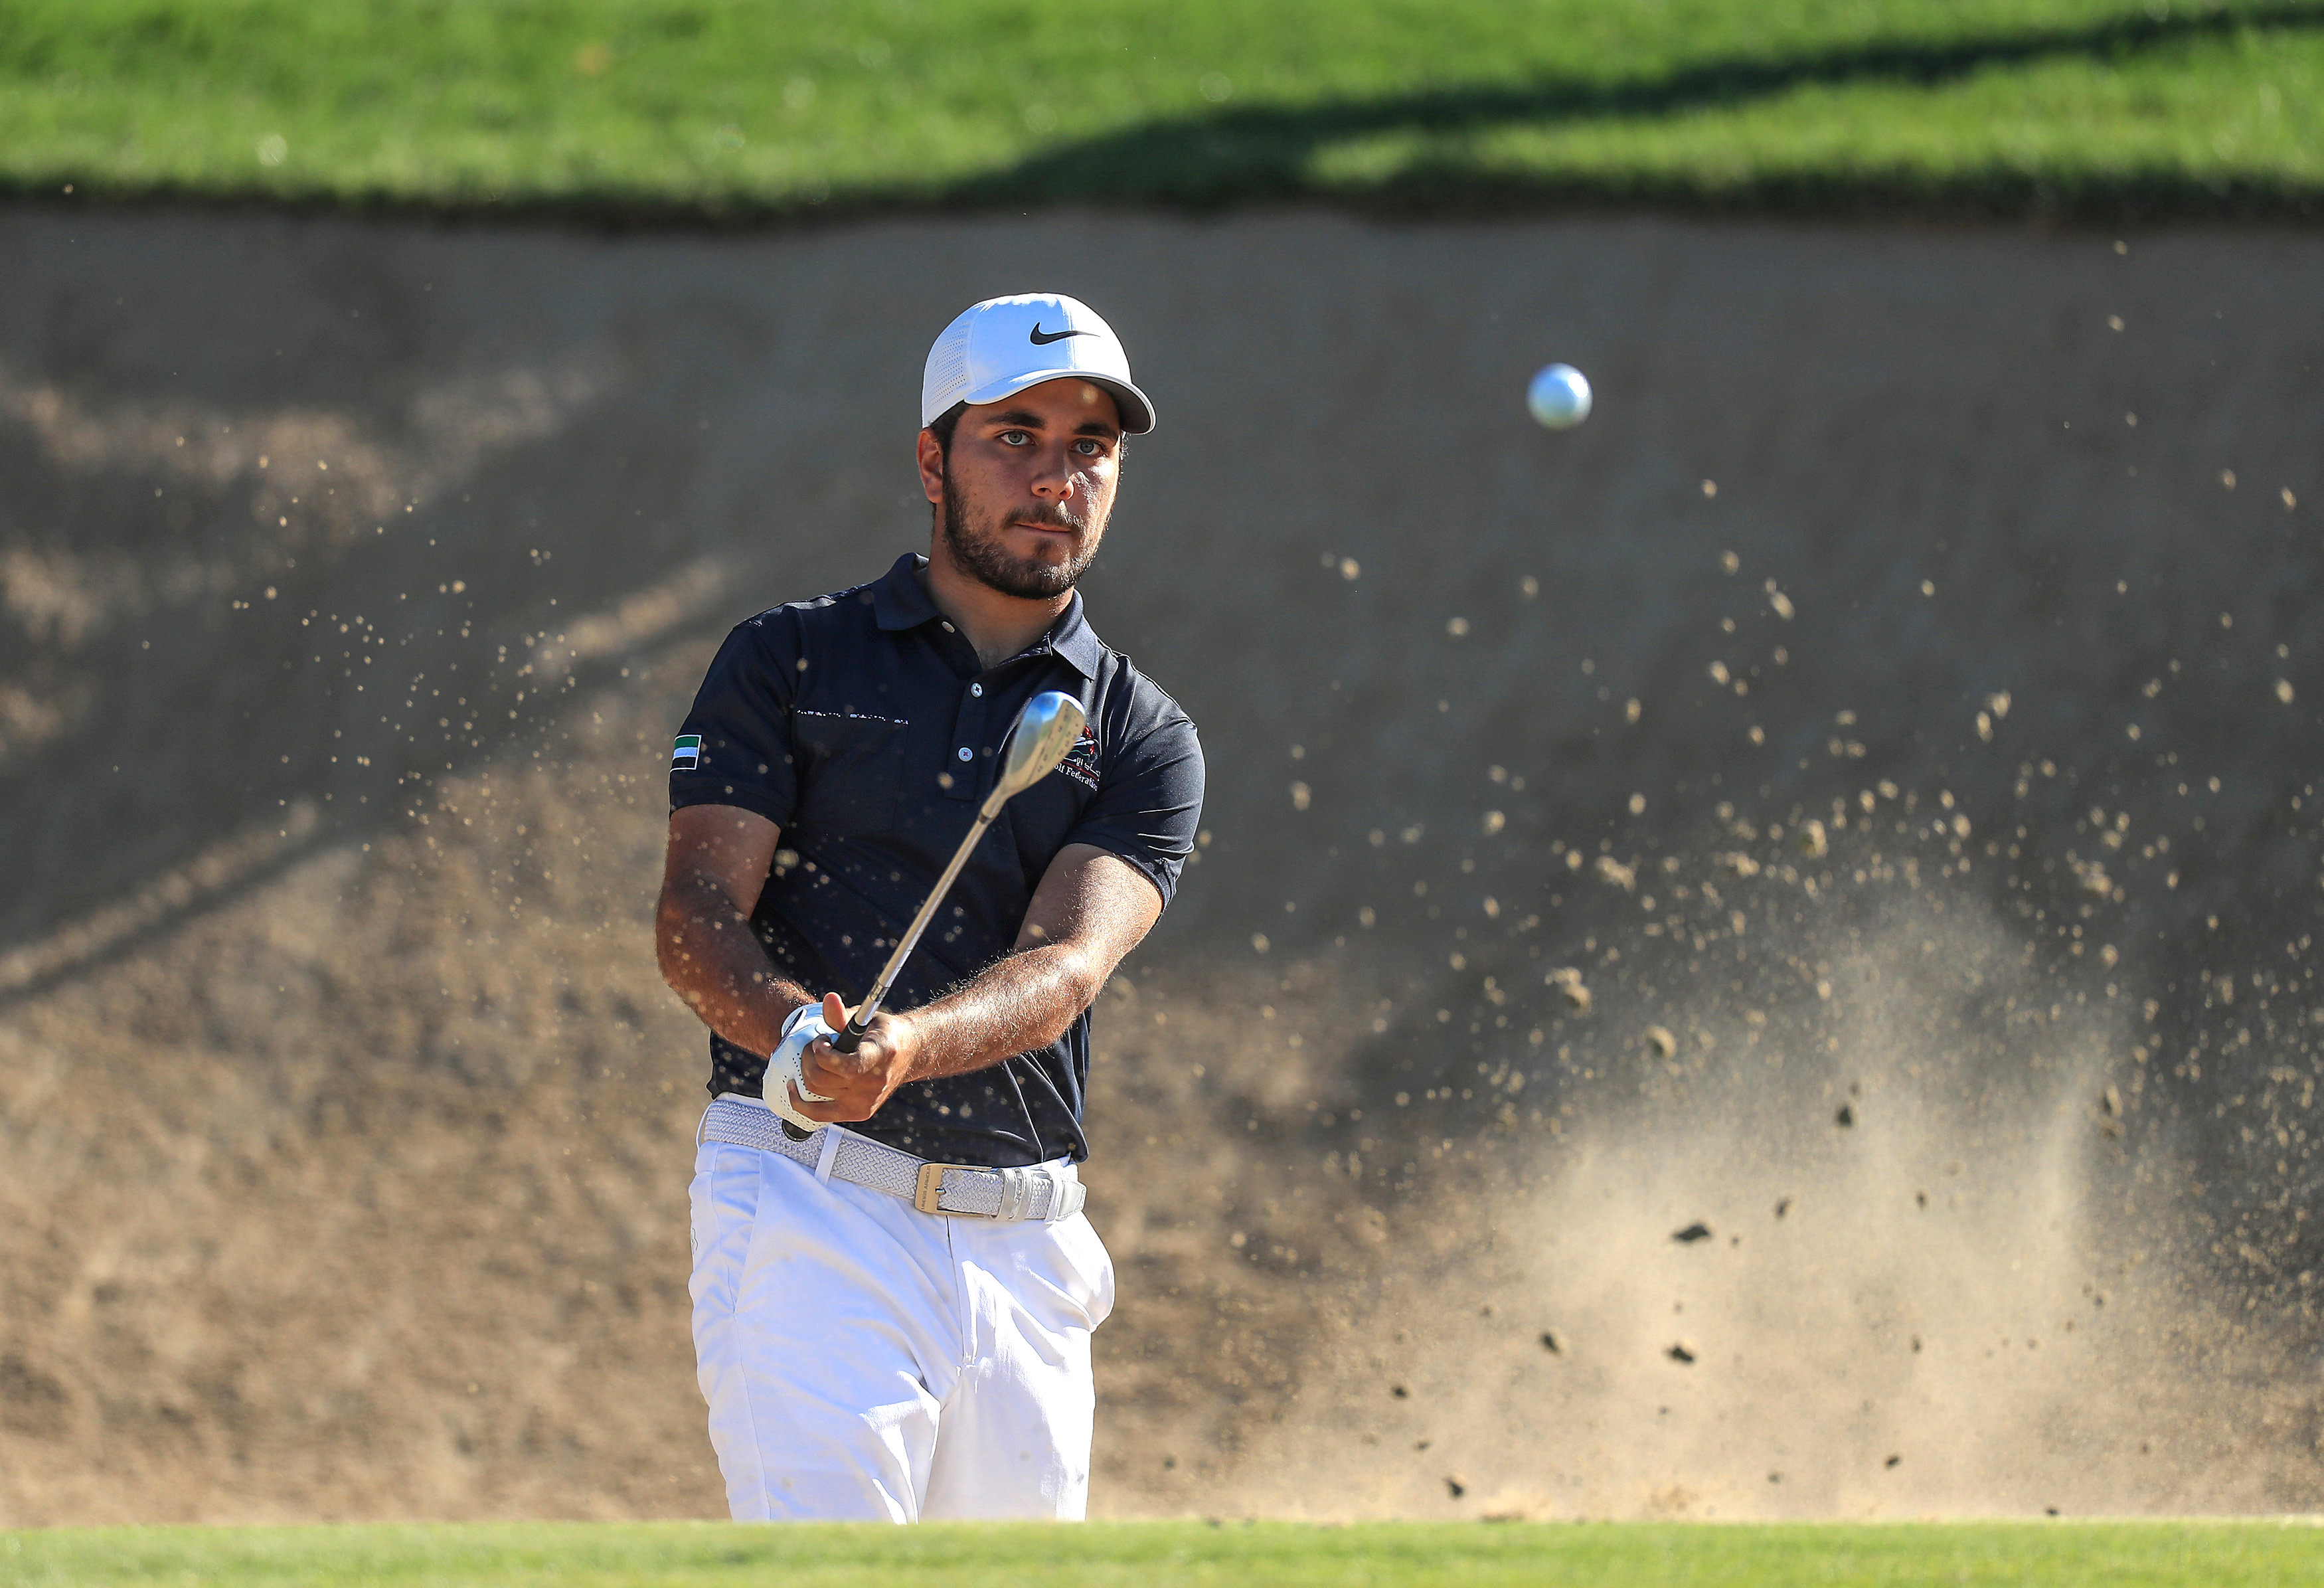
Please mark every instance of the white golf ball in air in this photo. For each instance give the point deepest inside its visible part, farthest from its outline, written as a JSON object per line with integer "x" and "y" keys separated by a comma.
{"x": 1559, "y": 396}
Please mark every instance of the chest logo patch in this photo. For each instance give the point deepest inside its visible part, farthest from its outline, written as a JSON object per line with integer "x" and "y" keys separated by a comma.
{"x": 1080, "y": 761}
{"x": 686, "y": 755}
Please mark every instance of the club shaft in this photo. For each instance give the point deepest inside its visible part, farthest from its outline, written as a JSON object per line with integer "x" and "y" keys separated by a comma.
{"x": 851, "y": 1038}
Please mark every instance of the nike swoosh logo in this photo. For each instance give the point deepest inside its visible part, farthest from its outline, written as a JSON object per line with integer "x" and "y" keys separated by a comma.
{"x": 1043, "y": 339}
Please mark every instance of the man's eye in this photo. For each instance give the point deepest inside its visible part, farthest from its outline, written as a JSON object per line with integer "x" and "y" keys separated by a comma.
{"x": 1014, "y": 437}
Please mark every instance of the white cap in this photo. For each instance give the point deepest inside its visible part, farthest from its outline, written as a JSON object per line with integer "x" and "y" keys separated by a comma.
{"x": 1003, "y": 344}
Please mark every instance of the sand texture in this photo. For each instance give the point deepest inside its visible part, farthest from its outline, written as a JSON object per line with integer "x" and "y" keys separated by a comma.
{"x": 1754, "y": 958}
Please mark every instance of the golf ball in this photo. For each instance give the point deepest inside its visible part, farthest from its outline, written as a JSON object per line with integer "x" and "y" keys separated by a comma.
{"x": 1559, "y": 396}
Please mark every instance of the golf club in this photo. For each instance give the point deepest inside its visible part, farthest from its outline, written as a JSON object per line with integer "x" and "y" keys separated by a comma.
{"x": 1045, "y": 729}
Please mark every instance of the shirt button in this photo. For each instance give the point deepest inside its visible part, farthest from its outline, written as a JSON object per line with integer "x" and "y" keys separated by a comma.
{"x": 976, "y": 688}
{"x": 963, "y": 753}
{"x": 947, "y": 628}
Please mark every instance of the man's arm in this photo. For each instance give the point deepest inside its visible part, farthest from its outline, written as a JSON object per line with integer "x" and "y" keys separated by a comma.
{"x": 1091, "y": 910}
{"x": 711, "y": 879}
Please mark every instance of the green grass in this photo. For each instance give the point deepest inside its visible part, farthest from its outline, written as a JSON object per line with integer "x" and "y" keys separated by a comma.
{"x": 745, "y": 107}
{"x": 2058, "y": 1555}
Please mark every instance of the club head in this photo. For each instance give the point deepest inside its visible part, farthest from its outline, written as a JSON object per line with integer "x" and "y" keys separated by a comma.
{"x": 1045, "y": 729}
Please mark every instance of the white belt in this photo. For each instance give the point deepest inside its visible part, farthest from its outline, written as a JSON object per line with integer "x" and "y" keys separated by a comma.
{"x": 1045, "y": 1192}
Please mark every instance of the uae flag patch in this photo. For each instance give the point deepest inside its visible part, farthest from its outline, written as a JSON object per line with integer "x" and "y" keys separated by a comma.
{"x": 686, "y": 755}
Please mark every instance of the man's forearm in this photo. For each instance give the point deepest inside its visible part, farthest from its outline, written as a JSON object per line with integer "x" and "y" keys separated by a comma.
{"x": 711, "y": 959}
{"x": 1015, "y": 1005}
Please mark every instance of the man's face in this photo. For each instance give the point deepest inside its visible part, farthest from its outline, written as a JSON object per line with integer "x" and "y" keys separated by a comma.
{"x": 1024, "y": 497}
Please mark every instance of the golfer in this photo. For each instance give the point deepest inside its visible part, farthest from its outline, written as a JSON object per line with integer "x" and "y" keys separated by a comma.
{"x": 875, "y": 1341}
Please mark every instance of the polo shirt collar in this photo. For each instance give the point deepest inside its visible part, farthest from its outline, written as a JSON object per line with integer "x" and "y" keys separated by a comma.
{"x": 1071, "y": 638}
{"x": 900, "y": 601}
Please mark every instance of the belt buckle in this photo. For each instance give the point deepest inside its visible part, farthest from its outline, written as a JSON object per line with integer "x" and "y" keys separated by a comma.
{"x": 929, "y": 1187}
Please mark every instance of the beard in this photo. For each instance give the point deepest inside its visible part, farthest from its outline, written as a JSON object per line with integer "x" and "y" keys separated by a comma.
{"x": 978, "y": 548}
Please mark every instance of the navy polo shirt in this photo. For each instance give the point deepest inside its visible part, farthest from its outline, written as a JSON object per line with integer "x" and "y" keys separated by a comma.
{"x": 865, "y": 727}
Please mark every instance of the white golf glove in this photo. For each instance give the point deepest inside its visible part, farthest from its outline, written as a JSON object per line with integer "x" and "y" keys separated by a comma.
{"x": 804, "y": 1025}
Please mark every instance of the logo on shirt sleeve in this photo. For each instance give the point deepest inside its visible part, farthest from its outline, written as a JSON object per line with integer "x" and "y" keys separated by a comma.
{"x": 1081, "y": 762}
{"x": 686, "y": 755}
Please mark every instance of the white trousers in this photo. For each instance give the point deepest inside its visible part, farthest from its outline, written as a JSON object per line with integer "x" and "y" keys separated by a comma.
{"x": 864, "y": 1361}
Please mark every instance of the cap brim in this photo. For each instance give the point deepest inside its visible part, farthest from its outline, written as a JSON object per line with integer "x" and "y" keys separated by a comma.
{"x": 1137, "y": 412}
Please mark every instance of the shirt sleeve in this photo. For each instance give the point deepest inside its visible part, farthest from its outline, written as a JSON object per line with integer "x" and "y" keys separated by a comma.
{"x": 734, "y": 747}
{"x": 1149, "y": 802}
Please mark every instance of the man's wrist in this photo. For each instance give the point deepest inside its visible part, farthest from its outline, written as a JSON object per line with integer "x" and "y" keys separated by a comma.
{"x": 766, "y": 1008}
{"x": 907, "y": 1040}
{"x": 791, "y": 1005}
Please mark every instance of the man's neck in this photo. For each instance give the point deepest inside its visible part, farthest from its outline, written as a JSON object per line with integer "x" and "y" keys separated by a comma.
{"x": 996, "y": 626}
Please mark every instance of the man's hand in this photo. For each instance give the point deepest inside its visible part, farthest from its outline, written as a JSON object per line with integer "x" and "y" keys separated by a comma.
{"x": 1091, "y": 908}
{"x": 857, "y": 1082}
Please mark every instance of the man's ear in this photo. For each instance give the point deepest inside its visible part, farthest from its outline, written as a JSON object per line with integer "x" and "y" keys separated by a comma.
{"x": 931, "y": 460}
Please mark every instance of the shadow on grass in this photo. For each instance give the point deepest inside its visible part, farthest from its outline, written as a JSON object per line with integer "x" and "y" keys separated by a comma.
{"x": 1267, "y": 152}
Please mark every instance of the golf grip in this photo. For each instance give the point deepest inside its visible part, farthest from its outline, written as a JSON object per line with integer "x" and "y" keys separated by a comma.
{"x": 846, "y": 1039}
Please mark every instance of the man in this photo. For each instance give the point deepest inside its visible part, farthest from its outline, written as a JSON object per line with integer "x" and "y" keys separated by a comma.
{"x": 862, "y": 1357}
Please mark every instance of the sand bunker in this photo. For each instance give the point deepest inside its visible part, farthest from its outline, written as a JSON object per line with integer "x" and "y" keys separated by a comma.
{"x": 1750, "y": 958}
